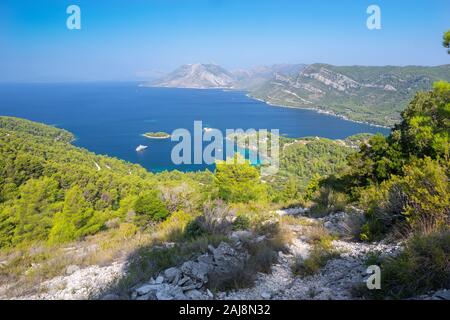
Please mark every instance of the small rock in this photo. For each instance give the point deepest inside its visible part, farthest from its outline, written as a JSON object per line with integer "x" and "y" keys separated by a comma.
{"x": 209, "y": 293}
{"x": 171, "y": 274}
{"x": 149, "y": 296}
{"x": 184, "y": 281}
{"x": 260, "y": 239}
{"x": 170, "y": 292}
{"x": 241, "y": 235}
{"x": 189, "y": 287}
{"x": 443, "y": 294}
{"x": 266, "y": 295}
{"x": 159, "y": 280}
{"x": 194, "y": 295}
{"x": 205, "y": 258}
{"x": 196, "y": 270}
{"x": 147, "y": 288}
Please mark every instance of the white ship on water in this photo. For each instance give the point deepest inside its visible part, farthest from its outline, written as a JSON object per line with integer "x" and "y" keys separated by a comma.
{"x": 141, "y": 147}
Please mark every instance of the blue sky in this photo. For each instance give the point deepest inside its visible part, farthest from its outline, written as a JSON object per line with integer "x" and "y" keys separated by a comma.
{"x": 135, "y": 40}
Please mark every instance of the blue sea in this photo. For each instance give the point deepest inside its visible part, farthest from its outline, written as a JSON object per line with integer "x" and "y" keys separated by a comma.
{"x": 110, "y": 118}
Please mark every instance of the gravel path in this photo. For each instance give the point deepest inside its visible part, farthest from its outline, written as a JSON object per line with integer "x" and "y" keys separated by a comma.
{"x": 334, "y": 281}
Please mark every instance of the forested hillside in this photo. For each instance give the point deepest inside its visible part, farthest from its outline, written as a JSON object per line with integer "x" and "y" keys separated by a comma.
{"x": 53, "y": 191}
{"x": 372, "y": 94}
{"x": 402, "y": 182}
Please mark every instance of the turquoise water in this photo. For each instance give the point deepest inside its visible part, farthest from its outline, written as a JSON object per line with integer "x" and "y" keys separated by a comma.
{"x": 110, "y": 118}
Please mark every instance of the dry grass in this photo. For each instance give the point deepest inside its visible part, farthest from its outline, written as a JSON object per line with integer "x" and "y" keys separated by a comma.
{"x": 297, "y": 221}
{"x": 318, "y": 234}
{"x": 172, "y": 229}
{"x": 321, "y": 252}
{"x": 26, "y": 267}
{"x": 317, "y": 259}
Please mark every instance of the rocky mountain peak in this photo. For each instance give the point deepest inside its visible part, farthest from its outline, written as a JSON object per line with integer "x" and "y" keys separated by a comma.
{"x": 197, "y": 75}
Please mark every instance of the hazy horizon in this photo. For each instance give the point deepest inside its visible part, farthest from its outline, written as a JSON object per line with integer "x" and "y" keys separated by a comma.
{"x": 156, "y": 77}
{"x": 143, "y": 40}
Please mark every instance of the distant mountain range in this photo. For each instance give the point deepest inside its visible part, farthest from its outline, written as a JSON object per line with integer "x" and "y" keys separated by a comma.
{"x": 369, "y": 94}
{"x": 200, "y": 76}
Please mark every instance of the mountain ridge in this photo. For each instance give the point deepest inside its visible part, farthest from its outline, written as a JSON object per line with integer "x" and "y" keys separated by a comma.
{"x": 372, "y": 94}
{"x": 199, "y": 76}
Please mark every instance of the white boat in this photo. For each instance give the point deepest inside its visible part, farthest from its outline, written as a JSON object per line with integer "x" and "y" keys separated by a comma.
{"x": 141, "y": 147}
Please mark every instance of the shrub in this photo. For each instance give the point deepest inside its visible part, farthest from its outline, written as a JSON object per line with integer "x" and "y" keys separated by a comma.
{"x": 258, "y": 214}
{"x": 328, "y": 201}
{"x": 182, "y": 196}
{"x": 148, "y": 208}
{"x": 321, "y": 252}
{"x": 427, "y": 189}
{"x": 217, "y": 218}
{"x": 194, "y": 229}
{"x": 417, "y": 201}
{"x": 173, "y": 228}
{"x": 262, "y": 256}
{"x": 238, "y": 181}
{"x": 317, "y": 259}
{"x": 423, "y": 266}
{"x": 125, "y": 231}
{"x": 75, "y": 220}
{"x": 242, "y": 222}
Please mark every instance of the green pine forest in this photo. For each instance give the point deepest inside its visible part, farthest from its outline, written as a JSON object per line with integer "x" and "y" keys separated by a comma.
{"x": 53, "y": 193}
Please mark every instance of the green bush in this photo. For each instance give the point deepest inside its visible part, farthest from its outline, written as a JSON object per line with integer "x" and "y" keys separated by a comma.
{"x": 328, "y": 201}
{"x": 403, "y": 180}
{"x": 423, "y": 266}
{"x": 174, "y": 227}
{"x": 242, "y": 222}
{"x": 194, "y": 229}
{"x": 238, "y": 181}
{"x": 426, "y": 186}
{"x": 423, "y": 132}
{"x": 317, "y": 259}
{"x": 149, "y": 208}
{"x": 416, "y": 202}
{"x": 75, "y": 220}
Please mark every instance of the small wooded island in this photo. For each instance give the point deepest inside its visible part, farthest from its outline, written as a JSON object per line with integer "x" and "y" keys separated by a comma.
{"x": 157, "y": 135}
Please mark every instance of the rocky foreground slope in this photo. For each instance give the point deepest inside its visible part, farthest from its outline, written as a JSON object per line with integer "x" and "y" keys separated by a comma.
{"x": 189, "y": 281}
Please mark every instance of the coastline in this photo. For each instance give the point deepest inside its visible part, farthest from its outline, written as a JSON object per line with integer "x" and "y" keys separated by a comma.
{"x": 318, "y": 110}
{"x": 247, "y": 94}
{"x": 143, "y": 85}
